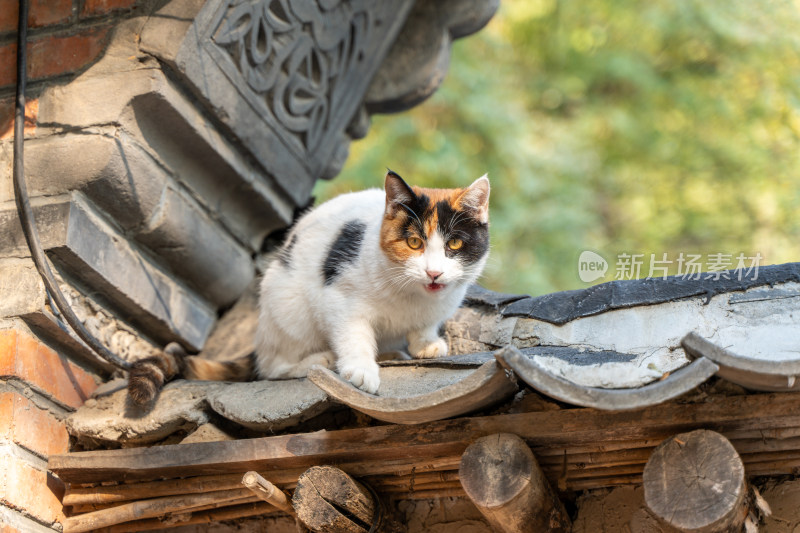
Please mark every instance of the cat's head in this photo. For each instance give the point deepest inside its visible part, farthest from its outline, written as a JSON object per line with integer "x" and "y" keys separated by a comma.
{"x": 438, "y": 237}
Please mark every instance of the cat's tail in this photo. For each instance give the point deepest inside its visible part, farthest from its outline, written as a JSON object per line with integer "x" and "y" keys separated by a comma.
{"x": 238, "y": 368}
{"x": 148, "y": 375}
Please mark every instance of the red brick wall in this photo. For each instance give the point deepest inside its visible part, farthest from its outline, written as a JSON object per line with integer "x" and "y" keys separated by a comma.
{"x": 38, "y": 388}
{"x": 64, "y": 37}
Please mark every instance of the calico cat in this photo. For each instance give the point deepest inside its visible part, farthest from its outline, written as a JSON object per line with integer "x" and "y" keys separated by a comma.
{"x": 366, "y": 272}
{"x": 363, "y": 273}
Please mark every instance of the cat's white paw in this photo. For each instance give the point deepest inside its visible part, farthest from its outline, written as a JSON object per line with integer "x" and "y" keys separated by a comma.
{"x": 427, "y": 349}
{"x": 365, "y": 378}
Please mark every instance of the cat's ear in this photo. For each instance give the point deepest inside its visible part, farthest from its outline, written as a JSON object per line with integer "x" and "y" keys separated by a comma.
{"x": 475, "y": 198}
{"x": 397, "y": 192}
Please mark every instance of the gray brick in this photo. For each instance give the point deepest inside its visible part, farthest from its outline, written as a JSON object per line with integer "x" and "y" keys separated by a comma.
{"x": 157, "y": 115}
{"x": 123, "y": 180}
{"x": 113, "y": 172}
{"x": 94, "y": 253}
{"x": 235, "y": 191}
{"x": 21, "y": 288}
{"x": 192, "y": 245}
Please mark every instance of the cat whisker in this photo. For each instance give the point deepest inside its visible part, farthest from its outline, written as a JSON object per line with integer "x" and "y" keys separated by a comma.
{"x": 455, "y": 220}
{"x": 397, "y": 280}
{"x": 421, "y": 225}
{"x": 402, "y": 281}
{"x": 393, "y": 279}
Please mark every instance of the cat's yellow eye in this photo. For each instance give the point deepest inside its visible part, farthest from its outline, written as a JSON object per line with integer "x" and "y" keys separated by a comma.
{"x": 415, "y": 243}
{"x": 455, "y": 244}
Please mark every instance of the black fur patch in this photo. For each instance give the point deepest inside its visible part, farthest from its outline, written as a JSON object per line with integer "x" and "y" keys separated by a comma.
{"x": 344, "y": 250}
{"x": 454, "y": 224}
{"x": 417, "y": 210}
{"x": 285, "y": 255}
{"x": 146, "y": 378}
{"x": 148, "y": 375}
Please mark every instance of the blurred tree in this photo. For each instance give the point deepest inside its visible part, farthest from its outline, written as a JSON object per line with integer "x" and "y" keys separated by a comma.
{"x": 614, "y": 126}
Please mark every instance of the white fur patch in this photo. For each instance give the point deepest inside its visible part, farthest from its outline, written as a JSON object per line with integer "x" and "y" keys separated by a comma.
{"x": 373, "y": 304}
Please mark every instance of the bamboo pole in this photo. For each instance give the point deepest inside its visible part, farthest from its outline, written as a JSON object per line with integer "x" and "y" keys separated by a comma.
{"x": 268, "y": 492}
{"x": 147, "y": 509}
{"x": 234, "y": 512}
{"x": 218, "y": 505}
{"x": 393, "y": 489}
{"x": 151, "y": 489}
{"x": 428, "y": 494}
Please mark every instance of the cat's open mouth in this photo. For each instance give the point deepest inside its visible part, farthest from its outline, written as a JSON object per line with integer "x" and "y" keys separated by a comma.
{"x": 434, "y": 287}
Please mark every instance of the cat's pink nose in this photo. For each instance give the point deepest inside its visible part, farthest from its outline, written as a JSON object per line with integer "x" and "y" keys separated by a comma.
{"x": 433, "y": 274}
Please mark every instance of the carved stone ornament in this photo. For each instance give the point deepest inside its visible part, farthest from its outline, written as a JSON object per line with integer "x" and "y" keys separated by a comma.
{"x": 290, "y": 78}
{"x": 292, "y": 61}
{"x": 285, "y": 76}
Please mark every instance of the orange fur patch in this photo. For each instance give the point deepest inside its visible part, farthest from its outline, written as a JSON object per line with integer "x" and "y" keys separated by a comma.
{"x": 393, "y": 242}
{"x": 207, "y": 370}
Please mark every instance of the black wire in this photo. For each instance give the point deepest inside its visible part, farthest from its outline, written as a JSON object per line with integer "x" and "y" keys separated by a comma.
{"x": 24, "y": 205}
{"x": 377, "y": 519}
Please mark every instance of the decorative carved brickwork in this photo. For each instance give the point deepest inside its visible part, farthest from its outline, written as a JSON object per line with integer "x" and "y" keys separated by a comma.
{"x": 287, "y": 76}
{"x": 295, "y": 60}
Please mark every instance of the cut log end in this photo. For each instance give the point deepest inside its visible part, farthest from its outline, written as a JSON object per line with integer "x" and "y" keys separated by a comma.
{"x": 326, "y": 499}
{"x": 503, "y": 479}
{"x": 695, "y": 482}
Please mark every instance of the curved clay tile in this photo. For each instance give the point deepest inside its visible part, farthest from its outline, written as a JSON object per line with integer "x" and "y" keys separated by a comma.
{"x": 566, "y": 306}
{"x": 181, "y": 406}
{"x": 755, "y": 374}
{"x": 679, "y": 382}
{"x": 477, "y": 295}
{"x": 411, "y": 395}
{"x": 269, "y": 405}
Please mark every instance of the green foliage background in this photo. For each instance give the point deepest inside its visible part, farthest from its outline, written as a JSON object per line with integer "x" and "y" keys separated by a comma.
{"x": 611, "y": 125}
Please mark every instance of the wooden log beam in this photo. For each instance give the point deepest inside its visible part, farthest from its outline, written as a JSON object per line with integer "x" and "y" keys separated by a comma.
{"x": 762, "y": 456}
{"x": 365, "y": 448}
{"x": 502, "y": 478}
{"x": 329, "y": 501}
{"x": 394, "y": 469}
{"x": 579, "y": 476}
{"x": 695, "y": 482}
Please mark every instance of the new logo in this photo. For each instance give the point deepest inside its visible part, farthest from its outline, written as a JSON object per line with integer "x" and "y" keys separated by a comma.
{"x": 591, "y": 266}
